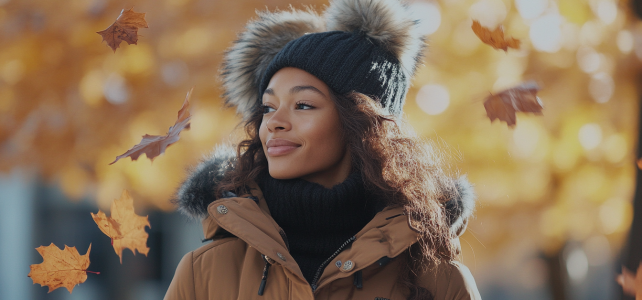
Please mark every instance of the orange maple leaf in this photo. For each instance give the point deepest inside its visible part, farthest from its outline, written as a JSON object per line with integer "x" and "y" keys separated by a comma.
{"x": 494, "y": 38}
{"x": 155, "y": 145}
{"x": 60, "y": 268}
{"x": 124, "y": 227}
{"x": 125, "y": 28}
{"x": 504, "y": 104}
{"x": 631, "y": 285}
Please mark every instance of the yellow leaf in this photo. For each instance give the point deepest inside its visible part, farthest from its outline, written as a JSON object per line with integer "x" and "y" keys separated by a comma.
{"x": 124, "y": 227}
{"x": 60, "y": 268}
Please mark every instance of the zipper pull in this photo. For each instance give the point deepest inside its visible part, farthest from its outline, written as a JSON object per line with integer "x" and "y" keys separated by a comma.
{"x": 358, "y": 279}
{"x": 264, "y": 277}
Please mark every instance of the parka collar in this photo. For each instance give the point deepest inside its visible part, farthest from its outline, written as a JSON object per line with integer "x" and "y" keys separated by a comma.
{"x": 387, "y": 235}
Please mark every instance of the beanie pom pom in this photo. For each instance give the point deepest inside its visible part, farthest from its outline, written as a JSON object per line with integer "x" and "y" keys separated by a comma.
{"x": 388, "y": 22}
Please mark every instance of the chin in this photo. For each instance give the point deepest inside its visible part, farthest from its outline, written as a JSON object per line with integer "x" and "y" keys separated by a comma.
{"x": 283, "y": 172}
{"x": 283, "y": 175}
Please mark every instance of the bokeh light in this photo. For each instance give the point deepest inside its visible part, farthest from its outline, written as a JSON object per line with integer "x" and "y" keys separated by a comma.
{"x": 489, "y": 13}
{"x": 433, "y": 99}
{"x": 615, "y": 148}
{"x": 546, "y": 33}
{"x": 588, "y": 59}
{"x": 429, "y": 16}
{"x": 592, "y": 33}
{"x": 601, "y": 87}
{"x": 530, "y": 9}
{"x": 115, "y": 89}
{"x": 625, "y": 41}
{"x": 576, "y": 265}
{"x": 590, "y": 136}
{"x": 615, "y": 215}
{"x": 91, "y": 87}
{"x": 606, "y": 10}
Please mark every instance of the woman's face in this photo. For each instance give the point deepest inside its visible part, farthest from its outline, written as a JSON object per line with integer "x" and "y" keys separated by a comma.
{"x": 300, "y": 132}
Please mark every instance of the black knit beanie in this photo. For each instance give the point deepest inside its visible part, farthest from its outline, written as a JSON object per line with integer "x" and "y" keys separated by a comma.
{"x": 367, "y": 46}
{"x": 346, "y": 62}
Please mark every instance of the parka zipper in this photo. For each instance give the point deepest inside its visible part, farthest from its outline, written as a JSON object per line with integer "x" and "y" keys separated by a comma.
{"x": 266, "y": 269}
{"x": 327, "y": 261}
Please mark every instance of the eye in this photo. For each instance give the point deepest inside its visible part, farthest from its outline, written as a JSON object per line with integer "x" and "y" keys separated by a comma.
{"x": 303, "y": 105}
{"x": 267, "y": 109}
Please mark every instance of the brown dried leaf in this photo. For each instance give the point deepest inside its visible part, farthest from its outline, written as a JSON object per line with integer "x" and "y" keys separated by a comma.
{"x": 155, "y": 145}
{"x": 125, "y": 228}
{"x": 124, "y": 29}
{"x": 504, "y": 104}
{"x": 631, "y": 285}
{"x": 60, "y": 268}
{"x": 495, "y": 38}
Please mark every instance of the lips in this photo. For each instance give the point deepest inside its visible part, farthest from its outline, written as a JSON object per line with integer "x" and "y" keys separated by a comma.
{"x": 278, "y": 147}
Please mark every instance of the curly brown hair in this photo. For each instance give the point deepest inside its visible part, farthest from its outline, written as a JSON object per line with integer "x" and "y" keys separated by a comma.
{"x": 404, "y": 169}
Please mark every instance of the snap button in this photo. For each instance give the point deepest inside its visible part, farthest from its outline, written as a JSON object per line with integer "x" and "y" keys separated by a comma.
{"x": 347, "y": 266}
{"x": 221, "y": 209}
{"x": 280, "y": 256}
{"x": 338, "y": 264}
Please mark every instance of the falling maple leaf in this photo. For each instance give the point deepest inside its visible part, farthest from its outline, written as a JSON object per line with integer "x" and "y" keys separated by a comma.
{"x": 60, "y": 268}
{"x": 504, "y": 104}
{"x": 125, "y": 28}
{"x": 631, "y": 284}
{"x": 494, "y": 38}
{"x": 124, "y": 227}
{"x": 155, "y": 145}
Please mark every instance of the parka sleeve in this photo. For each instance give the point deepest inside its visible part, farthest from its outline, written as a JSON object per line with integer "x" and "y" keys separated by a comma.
{"x": 182, "y": 285}
{"x": 451, "y": 281}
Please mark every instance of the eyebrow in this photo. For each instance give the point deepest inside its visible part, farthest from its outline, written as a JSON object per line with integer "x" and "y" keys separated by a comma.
{"x": 297, "y": 89}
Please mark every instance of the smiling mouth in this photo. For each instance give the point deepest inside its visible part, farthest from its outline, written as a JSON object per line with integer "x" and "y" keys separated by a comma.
{"x": 278, "y": 147}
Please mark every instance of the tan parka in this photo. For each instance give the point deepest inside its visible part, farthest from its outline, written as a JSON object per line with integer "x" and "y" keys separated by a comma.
{"x": 246, "y": 239}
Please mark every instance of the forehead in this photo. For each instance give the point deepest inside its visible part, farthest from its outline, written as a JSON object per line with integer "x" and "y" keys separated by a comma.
{"x": 289, "y": 77}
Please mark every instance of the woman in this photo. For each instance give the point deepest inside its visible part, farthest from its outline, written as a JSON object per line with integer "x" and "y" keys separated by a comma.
{"x": 331, "y": 196}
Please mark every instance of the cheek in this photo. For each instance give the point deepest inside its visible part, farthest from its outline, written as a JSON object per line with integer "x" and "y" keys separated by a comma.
{"x": 326, "y": 140}
{"x": 263, "y": 133}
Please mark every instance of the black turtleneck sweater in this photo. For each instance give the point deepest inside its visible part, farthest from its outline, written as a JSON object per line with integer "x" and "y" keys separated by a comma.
{"x": 317, "y": 220}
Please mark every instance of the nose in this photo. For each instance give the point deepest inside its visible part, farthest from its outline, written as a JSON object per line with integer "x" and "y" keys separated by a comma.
{"x": 279, "y": 121}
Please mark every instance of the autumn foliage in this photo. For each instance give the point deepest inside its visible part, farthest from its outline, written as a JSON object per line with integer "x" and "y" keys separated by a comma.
{"x": 504, "y": 104}
{"x": 495, "y": 38}
{"x": 125, "y": 28}
{"x": 60, "y": 268}
{"x": 155, "y": 145}
{"x": 124, "y": 227}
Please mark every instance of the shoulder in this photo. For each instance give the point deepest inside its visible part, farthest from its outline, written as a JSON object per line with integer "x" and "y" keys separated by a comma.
{"x": 450, "y": 280}
{"x": 226, "y": 247}
{"x": 190, "y": 271}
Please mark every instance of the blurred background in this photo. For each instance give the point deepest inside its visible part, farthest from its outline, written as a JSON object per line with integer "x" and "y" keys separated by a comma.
{"x": 557, "y": 193}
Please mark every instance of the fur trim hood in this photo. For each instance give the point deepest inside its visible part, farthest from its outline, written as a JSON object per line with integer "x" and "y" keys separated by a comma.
{"x": 198, "y": 190}
{"x": 388, "y": 23}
